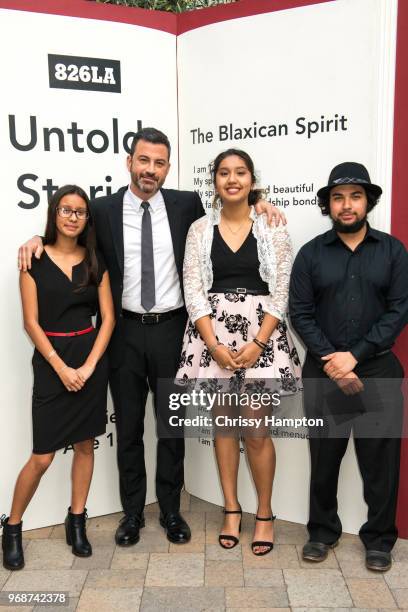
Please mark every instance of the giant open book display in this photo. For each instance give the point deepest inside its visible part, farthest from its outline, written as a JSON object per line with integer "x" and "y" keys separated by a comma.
{"x": 300, "y": 85}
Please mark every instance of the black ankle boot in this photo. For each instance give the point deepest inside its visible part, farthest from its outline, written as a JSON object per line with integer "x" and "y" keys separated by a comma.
{"x": 12, "y": 543}
{"x": 75, "y": 532}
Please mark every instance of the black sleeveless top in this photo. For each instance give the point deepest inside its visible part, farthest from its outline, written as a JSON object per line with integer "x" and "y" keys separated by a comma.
{"x": 240, "y": 269}
{"x": 61, "y": 307}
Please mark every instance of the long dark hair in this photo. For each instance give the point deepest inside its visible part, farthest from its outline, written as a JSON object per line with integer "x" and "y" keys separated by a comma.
{"x": 255, "y": 194}
{"x": 87, "y": 238}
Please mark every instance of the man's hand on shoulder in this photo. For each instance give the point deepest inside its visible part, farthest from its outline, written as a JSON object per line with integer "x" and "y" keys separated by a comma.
{"x": 25, "y": 252}
{"x": 339, "y": 364}
{"x": 274, "y": 215}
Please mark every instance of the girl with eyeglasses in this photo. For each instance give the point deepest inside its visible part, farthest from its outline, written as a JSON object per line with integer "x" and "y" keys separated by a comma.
{"x": 60, "y": 294}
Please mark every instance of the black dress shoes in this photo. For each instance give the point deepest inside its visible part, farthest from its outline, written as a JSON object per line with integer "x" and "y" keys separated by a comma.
{"x": 316, "y": 551}
{"x": 177, "y": 530}
{"x": 128, "y": 531}
{"x": 378, "y": 560}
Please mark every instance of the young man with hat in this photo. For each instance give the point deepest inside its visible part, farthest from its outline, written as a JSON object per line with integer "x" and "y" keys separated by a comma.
{"x": 348, "y": 302}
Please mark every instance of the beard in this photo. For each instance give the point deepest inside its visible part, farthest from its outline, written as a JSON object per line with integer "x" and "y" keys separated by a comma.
{"x": 151, "y": 188}
{"x": 349, "y": 228}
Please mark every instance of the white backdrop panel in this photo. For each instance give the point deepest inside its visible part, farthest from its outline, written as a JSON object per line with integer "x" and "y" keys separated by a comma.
{"x": 327, "y": 62}
{"x": 148, "y": 74}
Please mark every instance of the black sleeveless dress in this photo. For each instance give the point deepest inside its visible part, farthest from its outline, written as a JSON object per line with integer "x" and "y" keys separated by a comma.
{"x": 62, "y": 417}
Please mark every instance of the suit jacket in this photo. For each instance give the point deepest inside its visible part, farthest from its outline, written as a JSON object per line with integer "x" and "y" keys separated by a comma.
{"x": 183, "y": 208}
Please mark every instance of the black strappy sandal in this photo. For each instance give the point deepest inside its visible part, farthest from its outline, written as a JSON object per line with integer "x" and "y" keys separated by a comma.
{"x": 230, "y": 538}
{"x": 268, "y": 545}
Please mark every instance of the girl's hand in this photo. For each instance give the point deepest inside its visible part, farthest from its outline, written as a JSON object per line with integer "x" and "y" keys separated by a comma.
{"x": 225, "y": 358}
{"x": 85, "y": 372}
{"x": 70, "y": 379}
{"x": 248, "y": 355}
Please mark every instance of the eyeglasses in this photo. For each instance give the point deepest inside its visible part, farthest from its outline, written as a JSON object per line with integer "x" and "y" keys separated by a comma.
{"x": 66, "y": 213}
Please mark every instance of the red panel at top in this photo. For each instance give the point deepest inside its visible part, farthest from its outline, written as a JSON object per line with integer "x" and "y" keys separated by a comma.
{"x": 157, "y": 20}
{"x": 191, "y": 20}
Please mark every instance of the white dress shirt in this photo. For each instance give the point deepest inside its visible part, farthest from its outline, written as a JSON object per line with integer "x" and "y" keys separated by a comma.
{"x": 167, "y": 284}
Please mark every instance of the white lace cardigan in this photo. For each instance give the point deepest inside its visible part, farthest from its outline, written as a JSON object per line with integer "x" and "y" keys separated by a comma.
{"x": 275, "y": 262}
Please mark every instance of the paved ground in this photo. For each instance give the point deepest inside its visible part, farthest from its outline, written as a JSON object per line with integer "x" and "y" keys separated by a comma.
{"x": 157, "y": 575}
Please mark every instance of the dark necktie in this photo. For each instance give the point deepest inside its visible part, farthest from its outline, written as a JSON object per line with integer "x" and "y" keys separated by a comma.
{"x": 147, "y": 297}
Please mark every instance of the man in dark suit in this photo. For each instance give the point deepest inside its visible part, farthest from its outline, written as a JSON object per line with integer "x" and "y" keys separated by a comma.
{"x": 147, "y": 340}
{"x": 141, "y": 232}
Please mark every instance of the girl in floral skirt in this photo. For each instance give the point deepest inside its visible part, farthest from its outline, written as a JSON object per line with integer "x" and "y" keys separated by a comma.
{"x": 236, "y": 277}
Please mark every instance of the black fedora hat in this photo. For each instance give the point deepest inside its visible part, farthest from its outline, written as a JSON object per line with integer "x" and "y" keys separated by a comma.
{"x": 349, "y": 173}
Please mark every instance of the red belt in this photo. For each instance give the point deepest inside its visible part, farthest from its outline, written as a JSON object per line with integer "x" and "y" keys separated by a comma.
{"x": 75, "y": 333}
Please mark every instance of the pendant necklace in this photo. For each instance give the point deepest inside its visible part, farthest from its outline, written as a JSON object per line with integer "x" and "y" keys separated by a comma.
{"x": 237, "y": 230}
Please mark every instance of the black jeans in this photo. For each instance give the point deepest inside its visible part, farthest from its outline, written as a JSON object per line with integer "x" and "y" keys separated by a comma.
{"x": 378, "y": 460}
{"x": 151, "y": 352}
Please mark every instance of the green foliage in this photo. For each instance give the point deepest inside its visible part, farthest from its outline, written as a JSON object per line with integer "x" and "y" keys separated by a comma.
{"x": 174, "y": 6}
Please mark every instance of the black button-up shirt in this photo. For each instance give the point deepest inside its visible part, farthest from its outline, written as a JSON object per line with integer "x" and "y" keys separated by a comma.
{"x": 344, "y": 300}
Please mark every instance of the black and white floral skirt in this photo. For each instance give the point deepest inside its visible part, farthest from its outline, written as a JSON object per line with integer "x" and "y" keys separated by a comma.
{"x": 236, "y": 319}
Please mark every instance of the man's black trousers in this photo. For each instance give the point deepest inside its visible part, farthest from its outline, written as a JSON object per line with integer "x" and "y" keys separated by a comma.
{"x": 150, "y": 352}
{"x": 378, "y": 460}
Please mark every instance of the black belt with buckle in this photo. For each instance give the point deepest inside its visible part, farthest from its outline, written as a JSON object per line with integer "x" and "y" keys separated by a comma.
{"x": 152, "y": 318}
{"x": 239, "y": 290}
